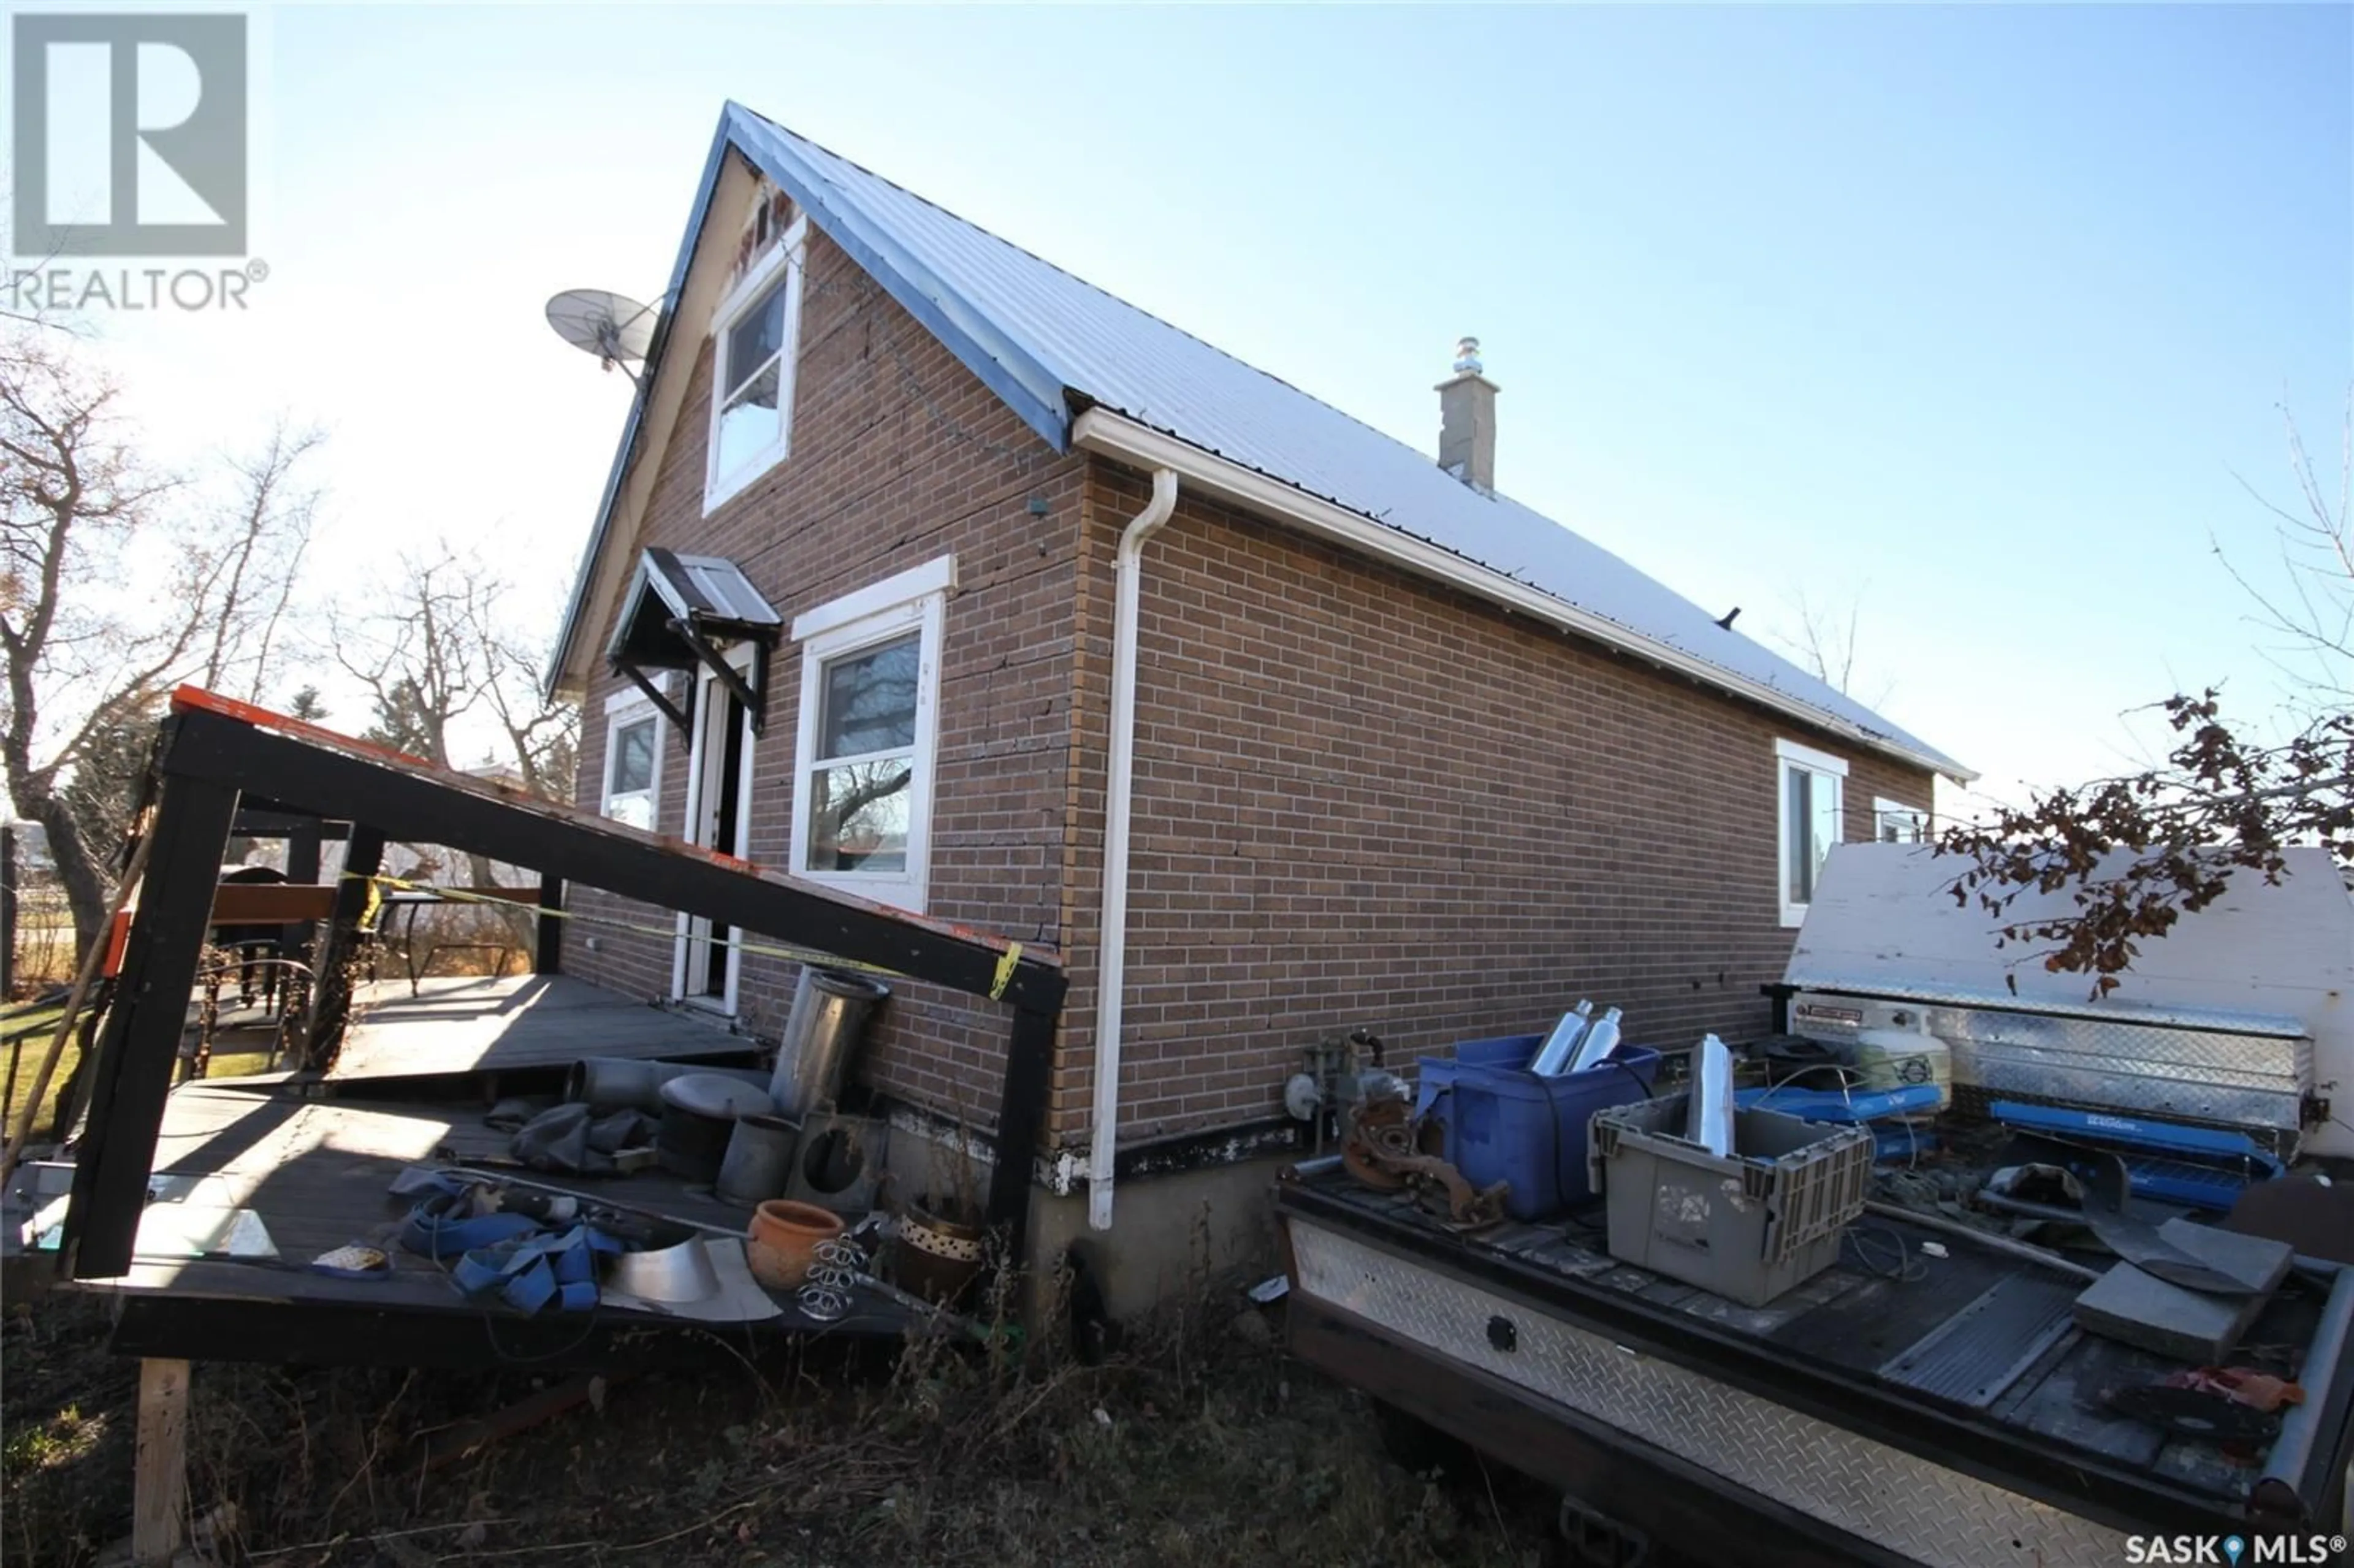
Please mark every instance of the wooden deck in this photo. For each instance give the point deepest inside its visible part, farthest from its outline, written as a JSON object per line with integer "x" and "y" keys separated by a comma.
{"x": 457, "y": 1024}
{"x": 316, "y": 1173}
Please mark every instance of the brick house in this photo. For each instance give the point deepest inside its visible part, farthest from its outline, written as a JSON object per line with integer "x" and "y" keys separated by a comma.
{"x": 1036, "y": 605}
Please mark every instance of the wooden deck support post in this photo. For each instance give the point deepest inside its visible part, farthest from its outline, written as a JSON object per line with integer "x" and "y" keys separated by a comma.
{"x": 1021, "y": 1113}
{"x": 331, "y": 994}
{"x": 130, "y": 1072}
{"x": 159, "y": 1482}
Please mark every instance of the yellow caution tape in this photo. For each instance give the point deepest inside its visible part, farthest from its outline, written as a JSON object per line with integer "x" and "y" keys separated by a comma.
{"x": 668, "y": 934}
{"x": 1006, "y": 964}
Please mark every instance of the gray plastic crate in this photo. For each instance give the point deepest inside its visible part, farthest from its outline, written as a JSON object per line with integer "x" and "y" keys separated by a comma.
{"x": 1749, "y": 1226}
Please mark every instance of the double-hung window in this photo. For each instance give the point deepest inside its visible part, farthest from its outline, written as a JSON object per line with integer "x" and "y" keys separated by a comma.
{"x": 1895, "y": 822}
{"x": 1813, "y": 784}
{"x": 754, "y": 333}
{"x": 870, "y": 696}
{"x": 633, "y": 748}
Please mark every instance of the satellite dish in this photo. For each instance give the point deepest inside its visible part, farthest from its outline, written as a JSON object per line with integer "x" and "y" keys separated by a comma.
{"x": 614, "y": 327}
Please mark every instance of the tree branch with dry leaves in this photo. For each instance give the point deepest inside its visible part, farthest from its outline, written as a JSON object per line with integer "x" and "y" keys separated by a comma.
{"x": 2138, "y": 852}
{"x": 2141, "y": 851}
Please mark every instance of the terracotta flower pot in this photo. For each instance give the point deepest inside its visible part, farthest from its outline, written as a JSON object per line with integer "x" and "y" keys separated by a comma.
{"x": 936, "y": 1258}
{"x": 785, "y": 1236}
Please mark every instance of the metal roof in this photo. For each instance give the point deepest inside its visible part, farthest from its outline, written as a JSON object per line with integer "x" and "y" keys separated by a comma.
{"x": 1049, "y": 343}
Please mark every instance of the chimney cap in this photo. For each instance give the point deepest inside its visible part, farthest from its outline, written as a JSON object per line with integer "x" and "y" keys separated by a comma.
{"x": 1467, "y": 357}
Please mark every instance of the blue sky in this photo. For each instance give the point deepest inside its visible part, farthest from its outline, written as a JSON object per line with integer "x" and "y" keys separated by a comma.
{"x": 1969, "y": 314}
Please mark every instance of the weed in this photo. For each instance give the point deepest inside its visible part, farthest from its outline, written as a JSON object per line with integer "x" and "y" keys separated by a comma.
{"x": 1193, "y": 1445}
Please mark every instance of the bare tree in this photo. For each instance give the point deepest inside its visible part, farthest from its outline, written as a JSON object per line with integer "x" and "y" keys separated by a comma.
{"x": 2141, "y": 850}
{"x": 1825, "y": 643}
{"x": 262, "y": 537}
{"x": 441, "y": 664}
{"x": 106, "y": 602}
{"x": 2308, "y": 612}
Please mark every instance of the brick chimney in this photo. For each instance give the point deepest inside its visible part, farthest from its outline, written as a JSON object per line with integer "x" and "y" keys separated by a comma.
{"x": 1467, "y": 421}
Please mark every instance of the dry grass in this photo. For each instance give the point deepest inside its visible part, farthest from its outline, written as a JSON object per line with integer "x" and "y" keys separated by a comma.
{"x": 46, "y": 953}
{"x": 24, "y": 1035}
{"x": 1199, "y": 1447}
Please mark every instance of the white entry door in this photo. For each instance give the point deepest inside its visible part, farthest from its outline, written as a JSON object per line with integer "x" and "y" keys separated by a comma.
{"x": 719, "y": 816}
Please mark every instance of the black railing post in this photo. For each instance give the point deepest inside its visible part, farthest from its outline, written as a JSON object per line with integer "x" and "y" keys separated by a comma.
{"x": 7, "y": 912}
{"x": 547, "y": 950}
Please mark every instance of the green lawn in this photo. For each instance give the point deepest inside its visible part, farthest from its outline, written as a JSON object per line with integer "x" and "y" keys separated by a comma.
{"x": 24, "y": 1035}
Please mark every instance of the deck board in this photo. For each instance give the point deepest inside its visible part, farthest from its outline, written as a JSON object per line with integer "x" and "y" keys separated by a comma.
{"x": 458, "y": 1023}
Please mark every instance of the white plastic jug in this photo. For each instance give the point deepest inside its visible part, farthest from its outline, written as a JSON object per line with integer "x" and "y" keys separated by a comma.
{"x": 1902, "y": 1058}
{"x": 1709, "y": 1120}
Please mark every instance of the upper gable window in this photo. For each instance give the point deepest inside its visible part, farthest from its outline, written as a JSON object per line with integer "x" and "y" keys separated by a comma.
{"x": 754, "y": 334}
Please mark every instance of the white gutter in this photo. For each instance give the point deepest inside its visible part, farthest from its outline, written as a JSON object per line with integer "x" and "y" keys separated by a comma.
{"x": 1117, "y": 436}
{"x": 1112, "y": 947}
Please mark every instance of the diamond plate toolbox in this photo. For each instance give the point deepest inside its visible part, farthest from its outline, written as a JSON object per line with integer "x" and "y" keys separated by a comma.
{"x": 2203, "y": 1074}
{"x": 1904, "y": 1503}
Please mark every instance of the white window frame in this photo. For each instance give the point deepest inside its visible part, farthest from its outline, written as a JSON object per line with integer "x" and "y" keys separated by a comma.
{"x": 1823, "y": 765}
{"x": 917, "y": 599}
{"x": 624, "y": 708}
{"x": 784, "y": 257}
{"x": 1882, "y": 809}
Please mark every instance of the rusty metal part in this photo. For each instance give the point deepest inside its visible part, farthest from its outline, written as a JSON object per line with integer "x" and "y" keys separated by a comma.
{"x": 1383, "y": 1141}
{"x": 1360, "y": 1153}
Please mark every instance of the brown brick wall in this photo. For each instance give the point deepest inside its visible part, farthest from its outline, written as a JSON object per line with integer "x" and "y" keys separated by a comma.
{"x": 899, "y": 455}
{"x": 1363, "y": 799}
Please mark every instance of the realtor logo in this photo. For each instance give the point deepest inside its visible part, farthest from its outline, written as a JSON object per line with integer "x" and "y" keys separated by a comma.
{"x": 130, "y": 135}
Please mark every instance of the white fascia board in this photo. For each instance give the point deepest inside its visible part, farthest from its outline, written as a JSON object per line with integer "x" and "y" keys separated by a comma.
{"x": 1113, "y": 435}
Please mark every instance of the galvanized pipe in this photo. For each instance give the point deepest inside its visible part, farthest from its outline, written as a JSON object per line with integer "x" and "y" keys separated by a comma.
{"x": 2004, "y": 1244}
{"x": 630, "y": 1083}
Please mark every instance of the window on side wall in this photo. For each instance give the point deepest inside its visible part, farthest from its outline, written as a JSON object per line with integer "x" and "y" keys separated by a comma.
{"x": 633, "y": 748}
{"x": 1896, "y": 823}
{"x": 754, "y": 333}
{"x": 863, "y": 769}
{"x": 1811, "y": 796}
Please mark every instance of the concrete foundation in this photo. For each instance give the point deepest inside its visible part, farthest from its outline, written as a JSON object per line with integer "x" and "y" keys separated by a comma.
{"x": 1168, "y": 1231}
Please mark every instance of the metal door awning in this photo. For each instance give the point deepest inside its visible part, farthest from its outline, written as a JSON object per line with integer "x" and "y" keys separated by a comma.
{"x": 686, "y": 610}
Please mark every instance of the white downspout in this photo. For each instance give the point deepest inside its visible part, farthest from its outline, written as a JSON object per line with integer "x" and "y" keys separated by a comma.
{"x": 1112, "y": 947}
